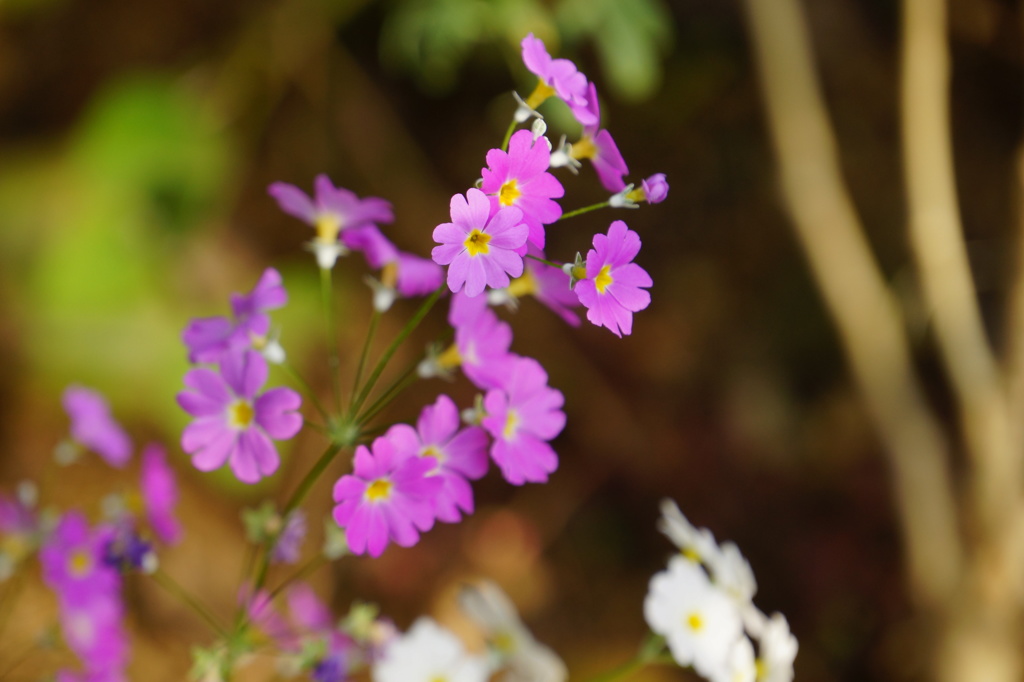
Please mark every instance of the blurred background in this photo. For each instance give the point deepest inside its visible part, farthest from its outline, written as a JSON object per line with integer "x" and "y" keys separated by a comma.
{"x": 136, "y": 144}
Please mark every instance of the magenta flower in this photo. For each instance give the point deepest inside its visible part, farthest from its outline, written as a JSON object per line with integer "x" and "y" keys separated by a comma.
{"x": 549, "y": 285}
{"x": 93, "y": 427}
{"x": 519, "y": 178}
{"x": 557, "y": 76}
{"x": 402, "y": 274}
{"x": 160, "y": 494}
{"x": 388, "y": 496}
{"x": 522, "y": 416}
{"x": 614, "y": 288}
{"x": 479, "y": 248}
{"x": 482, "y": 342}
{"x": 459, "y": 454}
{"x": 331, "y": 212}
{"x": 655, "y": 188}
{"x": 232, "y": 423}
{"x": 209, "y": 338}
{"x": 288, "y": 546}
{"x": 597, "y": 145}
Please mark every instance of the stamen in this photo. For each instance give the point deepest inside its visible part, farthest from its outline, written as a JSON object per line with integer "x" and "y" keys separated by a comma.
{"x": 379, "y": 489}
{"x": 511, "y": 424}
{"x": 695, "y": 622}
{"x": 240, "y": 414}
{"x": 603, "y": 279}
{"x": 508, "y": 193}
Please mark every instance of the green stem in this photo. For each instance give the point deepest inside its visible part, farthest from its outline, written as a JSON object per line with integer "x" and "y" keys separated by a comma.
{"x": 402, "y": 336}
{"x": 374, "y": 320}
{"x": 304, "y": 385}
{"x": 334, "y": 364}
{"x": 652, "y": 651}
{"x": 585, "y": 209}
{"x": 407, "y": 378}
{"x": 544, "y": 261}
{"x": 508, "y": 135}
{"x": 311, "y": 477}
{"x": 168, "y": 583}
{"x": 313, "y": 564}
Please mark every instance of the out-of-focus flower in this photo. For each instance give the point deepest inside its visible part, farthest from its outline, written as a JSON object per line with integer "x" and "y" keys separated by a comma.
{"x": 160, "y": 494}
{"x": 428, "y": 653}
{"x": 93, "y": 427}
{"x": 557, "y": 77}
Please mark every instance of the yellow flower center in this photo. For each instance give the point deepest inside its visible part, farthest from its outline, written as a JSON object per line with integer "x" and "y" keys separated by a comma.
{"x": 504, "y": 642}
{"x": 80, "y": 564}
{"x": 584, "y": 149}
{"x": 378, "y": 490}
{"x": 539, "y": 94}
{"x": 476, "y": 242}
{"x": 438, "y": 678}
{"x": 695, "y": 622}
{"x": 327, "y": 228}
{"x": 603, "y": 279}
{"x": 511, "y": 424}
{"x": 521, "y": 286}
{"x": 450, "y": 359}
{"x": 433, "y": 451}
{"x": 691, "y": 554}
{"x": 240, "y": 414}
{"x": 508, "y": 193}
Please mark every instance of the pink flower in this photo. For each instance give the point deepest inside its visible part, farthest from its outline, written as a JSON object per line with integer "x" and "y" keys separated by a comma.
{"x": 560, "y": 77}
{"x": 482, "y": 341}
{"x": 655, "y": 188}
{"x": 233, "y": 424}
{"x": 614, "y": 287}
{"x": 549, "y": 285}
{"x": 597, "y": 145}
{"x": 387, "y": 497}
{"x": 209, "y": 338}
{"x": 160, "y": 494}
{"x": 332, "y": 212}
{"x": 480, "y": 248}
{"x": 519, "y": 178}
{"x": 459, "y": 454}
{"x": 522, "y": 416}
{"x": 94, "y": 428}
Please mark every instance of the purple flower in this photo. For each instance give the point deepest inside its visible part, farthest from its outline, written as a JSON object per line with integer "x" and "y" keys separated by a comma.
{"x": 480, "y": 248}
{"x": 549, "y": 285}
{"x": 387, "y": 497}
{"x": 655, "y": 188}
{"x": 332, "y": 212}
{"x": 597, "y": 145}
{"x": 94, "y": 428}
{"x": 519, "y": 178}
{"x": 459, "y": 454}
{"x": 232, "y": 423}
{"x": 614, "y": 288}
{"x": 160, "y": 494}
{"x": 481, "y": 342}
{"x": 209, "y": 338}
{"x": 557, "y": 76}
{"x": 289, "y": 541}
{"x": 522, "y": 416}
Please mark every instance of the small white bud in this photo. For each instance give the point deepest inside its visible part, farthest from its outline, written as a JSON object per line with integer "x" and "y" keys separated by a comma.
{"x": 523, "y": 112}
{"x": 562, "y": 157}
{"x": 273, "y": 352}
{"x": 539, "y": 128}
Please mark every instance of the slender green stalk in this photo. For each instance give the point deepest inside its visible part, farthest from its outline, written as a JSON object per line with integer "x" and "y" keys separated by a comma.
{"x": 545, "y": 261}
{"x": 310, "y": 566}
{"x": 333, "y": 363}
{"x": 374, "y": 320}
{"x": 311, "y": 477}
{"x": 304, "y": 385}
{"x": 585, "y": 209}
{"x": 407, "y": 378}
{"x": 402, "y": 336}
{"x": 651, "y": 652}
{"x": 508, "y": 135}
{"x": 168, "y": 583}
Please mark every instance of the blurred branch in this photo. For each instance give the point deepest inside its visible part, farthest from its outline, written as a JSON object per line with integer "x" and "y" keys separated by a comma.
{"x": 867, "y": 320}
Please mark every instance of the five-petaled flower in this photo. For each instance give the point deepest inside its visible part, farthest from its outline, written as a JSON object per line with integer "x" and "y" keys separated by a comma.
{"x": 614, "y": 287}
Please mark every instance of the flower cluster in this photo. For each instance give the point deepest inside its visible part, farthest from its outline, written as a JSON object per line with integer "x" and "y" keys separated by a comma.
{"x": 703, "y": 605}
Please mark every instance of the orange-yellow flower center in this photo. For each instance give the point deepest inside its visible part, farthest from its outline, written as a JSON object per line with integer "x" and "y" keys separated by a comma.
{"x": 433, "y": 451}
{"x": 504, "y": 642}
{"x": 695, "y": 622}
{"x": 603, "y": 279}
{"x": 240, "y": 414}
{"x": 378, "y": 490}
{"x": 508, "y": 193}
{"x": 327, "y": 228}
{"x": 511, "y": 424}
{"x": 476, "y": 242}
{"x": 80, "y": 563}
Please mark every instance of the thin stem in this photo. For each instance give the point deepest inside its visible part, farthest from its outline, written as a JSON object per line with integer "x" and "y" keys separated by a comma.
{"x": 304, "y": 385}
{"x": 402, "y": 336}
{"x": 310, "y": 566}
{"x": 508, "y": 135}
{"x": 168, "y": 583}
{"x": 651, "y": 652}
{"x": 544, "y": 261}
{"x": 585, "y": 209}
{"x": 374, "y": 320}
{"x": 334, "y": 364}
{"x": 407, "y": 378}
{"x": 311, "y": 477}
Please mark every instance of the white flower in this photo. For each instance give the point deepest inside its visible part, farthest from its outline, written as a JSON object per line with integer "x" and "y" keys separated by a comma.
{"x": 699, "y": 620}
{"x": 429, "y": 653}
{"x": 526, "y": 659}
{"x": 777, "y": 648}
{"x": 731, "y": 571}
{"x": 696, "y": 543}
{"x": 739, "y": 664}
